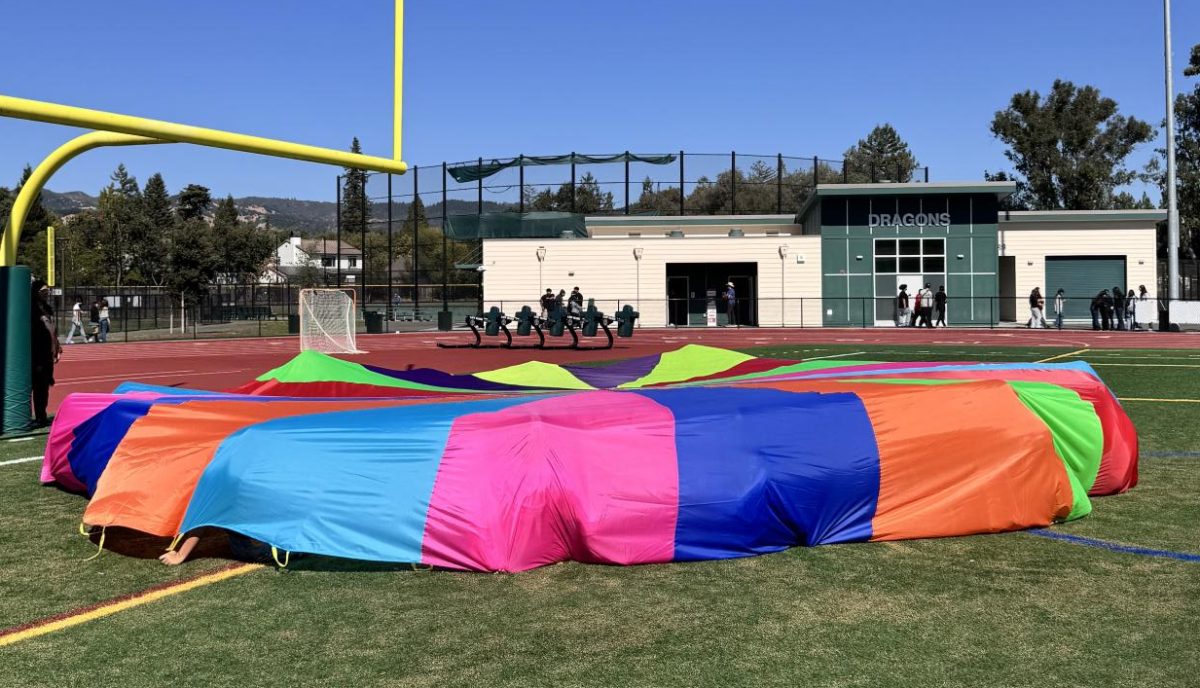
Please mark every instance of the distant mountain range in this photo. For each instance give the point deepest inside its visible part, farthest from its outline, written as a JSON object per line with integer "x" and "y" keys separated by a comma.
{"x": 305, "y": 218}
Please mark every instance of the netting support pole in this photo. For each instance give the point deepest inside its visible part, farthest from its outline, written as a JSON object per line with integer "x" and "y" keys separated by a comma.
{"x": 444, "y": 317}
{"x": 681, "y": 194}
{"x": 626, "y": 182}
{"x": 339, "y": 233}
{"x": 521, "y": 181}
{"x": 362, "y": 268}
{"x": 416, "y": 247}
{"x": 390, "y": 251}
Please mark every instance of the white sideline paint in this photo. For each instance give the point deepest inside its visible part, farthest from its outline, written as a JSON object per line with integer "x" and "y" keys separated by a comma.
{"x": 25, "y": 460}
{"x": 818, "y": 358}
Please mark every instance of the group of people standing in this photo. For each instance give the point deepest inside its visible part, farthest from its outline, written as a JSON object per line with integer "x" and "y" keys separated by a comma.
{"x": 551, "y": 304}
{"x": 924, "y": 304}
{"x": 98, "y": 322}
{"x": 1111, "y": 310}
{"x": 1118, "y": 309}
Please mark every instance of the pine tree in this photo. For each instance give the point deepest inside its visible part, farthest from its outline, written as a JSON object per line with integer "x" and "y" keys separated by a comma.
{"x": 353, "y": 188}
{"x": 194, "y": 201}
{"x": 881, "y": 156}
{"x": 150, "y": 250}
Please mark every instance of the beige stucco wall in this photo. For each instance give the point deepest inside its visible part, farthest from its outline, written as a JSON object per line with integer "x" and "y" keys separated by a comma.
{"x": 605, "y": 269}
{"x": 1031, "y": 243}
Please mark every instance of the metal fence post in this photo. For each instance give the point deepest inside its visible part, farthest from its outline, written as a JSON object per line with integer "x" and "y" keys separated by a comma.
{"x": 572, "y": 181}
{"x": 816, "y": 172}
{"x": 626, "y": 182}
{"x": 733, "y": 182}
{"x": 445, "y": 247}
{"x": 682, "y": 209}
{"x": 339, "y": 231}
{"x": 521, "y": 182}
{"x": 779, "y": 183}
{"x": 927, "y": 174}
{"x": 416, "y": 248}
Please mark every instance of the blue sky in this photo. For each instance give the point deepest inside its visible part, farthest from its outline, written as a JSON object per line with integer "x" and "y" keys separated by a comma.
{"x": 546, "y": 76}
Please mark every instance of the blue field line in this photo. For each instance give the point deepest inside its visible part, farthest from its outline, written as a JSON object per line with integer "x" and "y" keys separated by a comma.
{"x": 1171, "y": 455}
{"x": 1116, "y": 547}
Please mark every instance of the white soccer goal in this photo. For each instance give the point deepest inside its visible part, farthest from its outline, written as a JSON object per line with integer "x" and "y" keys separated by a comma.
{"x": 327, "y": 321}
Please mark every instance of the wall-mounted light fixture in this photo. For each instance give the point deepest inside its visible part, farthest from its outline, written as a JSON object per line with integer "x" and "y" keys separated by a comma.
{"x": 857, "y": 257}
{"x": 960, "y": 256}
{"x": 1029, "y": 262}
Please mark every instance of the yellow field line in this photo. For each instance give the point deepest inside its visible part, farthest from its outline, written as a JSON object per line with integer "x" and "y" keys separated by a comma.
{"x": 1166, "y": 401}
{"x": 110, "y": 608}
{"x": 1055, "y": 358}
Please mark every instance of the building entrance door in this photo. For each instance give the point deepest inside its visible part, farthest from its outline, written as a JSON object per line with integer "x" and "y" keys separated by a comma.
{"x": 677, "y": 301}
{"x": 915, "y": 283}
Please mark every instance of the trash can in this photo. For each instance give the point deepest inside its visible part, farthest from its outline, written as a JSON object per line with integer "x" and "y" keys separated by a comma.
{"x": 445, "y": 321}
{"x": 374, "y": 322}
{"x": 294, "y": 323}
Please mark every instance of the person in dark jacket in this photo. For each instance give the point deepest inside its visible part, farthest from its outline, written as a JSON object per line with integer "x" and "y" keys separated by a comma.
{"x": 902, "y": 306}
{"x": 1118, "y": 297}
{"x": 93, "y": 333}
{"x": 575, "y": 302}
{"x": 1106, "y": 310}
{"x": 44, "y": 349}
{"x": 939, "y": 300}
{"x": 547, "y": 303}
{"x": 1095, "y": 307}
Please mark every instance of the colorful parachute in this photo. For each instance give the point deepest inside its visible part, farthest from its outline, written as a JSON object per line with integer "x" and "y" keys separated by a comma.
{"x": 698, "y": 453}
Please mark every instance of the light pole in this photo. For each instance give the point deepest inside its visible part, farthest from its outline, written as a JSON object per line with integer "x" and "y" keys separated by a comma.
{"x": 1172, "y": 208}
{"x": 637, "y": 259}
{"x": 783, "y": 251}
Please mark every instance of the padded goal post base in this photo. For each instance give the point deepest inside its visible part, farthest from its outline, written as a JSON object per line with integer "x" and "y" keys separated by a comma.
{"x": 18, "y": 378}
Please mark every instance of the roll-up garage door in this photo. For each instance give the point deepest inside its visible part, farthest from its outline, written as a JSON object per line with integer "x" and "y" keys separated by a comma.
{"x": 1081, "y": 277}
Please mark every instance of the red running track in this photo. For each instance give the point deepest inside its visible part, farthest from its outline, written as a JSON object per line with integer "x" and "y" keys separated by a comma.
{"x": 219, "y": 364}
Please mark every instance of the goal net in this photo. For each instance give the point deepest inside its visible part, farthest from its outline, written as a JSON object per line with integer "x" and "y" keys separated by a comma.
{"x": 327, "y": 321}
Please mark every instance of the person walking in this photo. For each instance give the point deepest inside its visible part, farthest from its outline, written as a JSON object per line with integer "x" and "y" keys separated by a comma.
{"x": 1060, "y": 302}
{"x": 1119, "y": 309}
{"x": 93, "y": 322}
{"x": 926, "y": 306}
{"x": 76, "y": 323}
{"x": 44, "y": 350}
{"x": 575, "y": 302}
{"x": 731, "y": 304}
{"x": 1037, "y": 305}
{"x": 104, "y": 322}
{"x": 902, "y": 306}
{"x": 915, "y": 316}
{"x": 939, "y": 300}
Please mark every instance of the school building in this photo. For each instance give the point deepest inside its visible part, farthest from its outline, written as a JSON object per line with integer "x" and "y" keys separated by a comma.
{"x": 839, "y": 261}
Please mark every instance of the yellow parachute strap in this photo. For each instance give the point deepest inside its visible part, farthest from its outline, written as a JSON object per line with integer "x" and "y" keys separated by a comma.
{"x": 287, "y": 556}
{"x": 83, "y": 529}
{"x": 103, "y": 533}
{"x": 174, "y": 543}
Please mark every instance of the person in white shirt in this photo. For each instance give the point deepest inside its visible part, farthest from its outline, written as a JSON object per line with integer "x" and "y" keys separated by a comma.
{"x": 76, "y": 323}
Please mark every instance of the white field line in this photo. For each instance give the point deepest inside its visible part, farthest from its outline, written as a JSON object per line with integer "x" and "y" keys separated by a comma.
{"x": 852, "y": 353}
{"x": 27, "y": 459}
